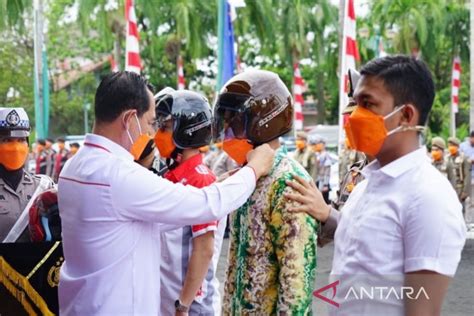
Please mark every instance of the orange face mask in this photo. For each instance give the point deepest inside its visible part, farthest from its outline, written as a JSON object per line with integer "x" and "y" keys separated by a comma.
{"x": 319, "y": 147}
{"x": 237, "y": 149}
{"x": 140, "y": 143}
{"x": 453, "y": 150}
{"x": 437, "y": 155}
{"x": 164, "y": 142}
{"x": 300, "y": 144}
{"x": 13, "y": 155}
{"x": 366, "y": 130}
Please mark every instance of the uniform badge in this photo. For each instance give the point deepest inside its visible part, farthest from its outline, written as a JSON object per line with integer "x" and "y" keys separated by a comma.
{"x": 53, "y": 274}
{"x": 13, "y": 119}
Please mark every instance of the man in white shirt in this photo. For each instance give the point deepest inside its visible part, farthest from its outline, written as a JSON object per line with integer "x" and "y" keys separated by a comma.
{"x": 113, "y": 210}
{"x": 402, "y": 227}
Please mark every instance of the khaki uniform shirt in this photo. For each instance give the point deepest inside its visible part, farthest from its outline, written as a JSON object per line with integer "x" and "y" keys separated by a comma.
{"x": 348, "y": 157}
{"x": 304, "y": 157}
{"x": 445, "y": 167}
{"x": 13, "y": 202}
{"x": 461, "y": 179}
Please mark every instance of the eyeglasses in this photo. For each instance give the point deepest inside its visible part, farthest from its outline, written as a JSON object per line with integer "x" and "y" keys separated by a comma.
{"x": 161, "y": 122}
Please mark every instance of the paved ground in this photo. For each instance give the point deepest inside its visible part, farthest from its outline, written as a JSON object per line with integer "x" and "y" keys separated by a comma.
{"x": 459, "y": 300}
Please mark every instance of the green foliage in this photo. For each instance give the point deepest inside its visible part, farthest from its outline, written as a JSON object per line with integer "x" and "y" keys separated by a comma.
{"x": 16, "y": 65}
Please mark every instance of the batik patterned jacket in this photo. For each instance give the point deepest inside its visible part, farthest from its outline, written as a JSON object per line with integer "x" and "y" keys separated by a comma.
{"x": 272, "y": 256}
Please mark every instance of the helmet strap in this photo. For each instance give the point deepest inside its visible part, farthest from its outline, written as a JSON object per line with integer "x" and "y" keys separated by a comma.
{"x": 175, "y": 159}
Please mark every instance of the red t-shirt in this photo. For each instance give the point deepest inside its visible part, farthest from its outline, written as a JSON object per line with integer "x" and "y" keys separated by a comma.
{"x": 195, "y": 173}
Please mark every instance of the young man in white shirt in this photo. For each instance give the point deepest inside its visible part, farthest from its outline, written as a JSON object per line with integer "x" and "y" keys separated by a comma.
{"x": 113, "y": 209}
{"x": 402, "y": 227}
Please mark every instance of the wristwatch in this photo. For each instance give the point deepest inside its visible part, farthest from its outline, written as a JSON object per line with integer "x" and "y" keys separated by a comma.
{"x": 180, "y": 307}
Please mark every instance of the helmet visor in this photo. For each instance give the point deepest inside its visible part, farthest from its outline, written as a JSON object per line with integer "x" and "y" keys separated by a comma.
{"x": 230, "y": 117}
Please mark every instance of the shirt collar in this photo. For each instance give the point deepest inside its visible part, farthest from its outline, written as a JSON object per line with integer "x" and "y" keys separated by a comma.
{"x": 399, "y": 166}
{"x": 183, "y": 168}
{"x": 104, "y": 143}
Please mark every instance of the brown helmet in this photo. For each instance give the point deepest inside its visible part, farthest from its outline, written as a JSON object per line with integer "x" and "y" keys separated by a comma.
{"x": 254, "y": 105}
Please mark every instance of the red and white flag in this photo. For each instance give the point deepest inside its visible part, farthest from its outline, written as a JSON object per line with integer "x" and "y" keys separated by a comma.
{"x": 298, "y": 86}
{"x": 456, "y": 84}
{"x": 132, "y": 52}
{"x": 181, "y": 82}
{"x": 238, "y": 65}
{"x": 113, "y": 65}
{"x": 350, "y": 54}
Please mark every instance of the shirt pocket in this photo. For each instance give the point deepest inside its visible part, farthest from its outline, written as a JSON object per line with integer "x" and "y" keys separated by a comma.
{"x": 379, "y": 238}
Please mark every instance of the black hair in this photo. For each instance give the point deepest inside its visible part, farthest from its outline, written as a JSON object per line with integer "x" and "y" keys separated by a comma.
{"x": 75, "y": 145}
{"x": 472, "y": 134}
{"x": 408, "y": 80}
{"x": 49, "y": 140}
{"x": 121, "y": 91}
{"x": 60, "y": 140}
{"x": 41, "y": 142}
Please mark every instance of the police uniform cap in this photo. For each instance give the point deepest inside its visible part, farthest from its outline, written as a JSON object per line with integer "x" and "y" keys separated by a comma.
{"x": 14, "y": 122}
{"x": 454, "y": 141}
{"x": 316, "y": 139}
{"x": 438, "y": 142}
{"x": 301, "y": 135}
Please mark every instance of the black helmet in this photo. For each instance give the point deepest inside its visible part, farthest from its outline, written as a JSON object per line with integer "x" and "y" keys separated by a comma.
{"x": 14, "y": 122}
{"x": 191, "y": 113}
{"x": 254, "y": 105}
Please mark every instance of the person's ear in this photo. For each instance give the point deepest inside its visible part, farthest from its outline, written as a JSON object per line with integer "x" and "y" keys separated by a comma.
{"x": 127, "y": 116}
{"x": 410, "y": 115}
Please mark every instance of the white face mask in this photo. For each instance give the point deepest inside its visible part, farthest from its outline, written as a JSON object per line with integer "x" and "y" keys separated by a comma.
{"x": 402, "y": 128}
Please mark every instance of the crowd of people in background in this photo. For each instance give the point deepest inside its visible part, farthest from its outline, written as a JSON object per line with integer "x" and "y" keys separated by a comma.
{"x": 50, "y": 159}
{"x": 135, "y": 175}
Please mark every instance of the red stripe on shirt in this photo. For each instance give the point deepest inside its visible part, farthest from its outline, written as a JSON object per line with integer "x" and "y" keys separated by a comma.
{"x": 84, "y": 182}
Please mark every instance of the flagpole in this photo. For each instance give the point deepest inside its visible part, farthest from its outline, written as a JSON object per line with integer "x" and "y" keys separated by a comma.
{"x": 38, "y": 47}
{"x": 220, "y": 34}
{"x": 342, "y": 69}
{"x": 453, "y": 123}
{"x": 455, "y": 86}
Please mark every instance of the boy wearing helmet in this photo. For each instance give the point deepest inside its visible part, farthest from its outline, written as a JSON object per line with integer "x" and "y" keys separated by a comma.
{"x": 189, "y": 254}
{"x": 272, "y": 258}
{"x": 18, "y": 188}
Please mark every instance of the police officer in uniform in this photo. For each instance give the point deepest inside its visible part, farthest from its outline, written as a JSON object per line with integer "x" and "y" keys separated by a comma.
{"x": 438, "y": 159}
{"x": 18, "y": 188}
{"x": 461, "y": 170}
{"x": 303, "y": 153}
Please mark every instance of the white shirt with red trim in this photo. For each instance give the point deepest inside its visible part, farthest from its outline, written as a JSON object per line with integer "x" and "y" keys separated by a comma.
{"x": 176, "y": 248}
{"x": 112, "y": 213}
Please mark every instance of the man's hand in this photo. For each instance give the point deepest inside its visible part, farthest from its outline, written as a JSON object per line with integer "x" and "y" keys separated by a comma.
{"x": 261, "y": 159}
{"x": 310, "y": 198}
